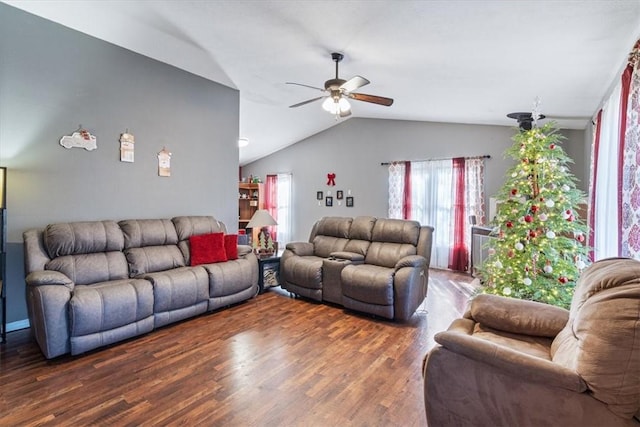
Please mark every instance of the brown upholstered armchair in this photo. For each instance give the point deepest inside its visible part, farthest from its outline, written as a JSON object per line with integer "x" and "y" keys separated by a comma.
{"x": 510, "y": 362}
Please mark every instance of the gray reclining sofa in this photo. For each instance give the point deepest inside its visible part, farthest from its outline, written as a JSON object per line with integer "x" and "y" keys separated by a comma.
{"x": 90, "y": 284}
{"x": 373, "y": 265}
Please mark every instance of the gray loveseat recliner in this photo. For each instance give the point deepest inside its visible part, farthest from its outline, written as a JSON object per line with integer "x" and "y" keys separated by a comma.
{"x": 91, "y": 284}
{"x": 373, "y": 265}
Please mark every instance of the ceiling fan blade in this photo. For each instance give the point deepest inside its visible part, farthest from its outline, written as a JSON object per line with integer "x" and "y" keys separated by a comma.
{"x": 354, "y": 83}
{"x": 305, "y": 102}
{"x": 381, "y": 100}
{"x": 300, "y": 84}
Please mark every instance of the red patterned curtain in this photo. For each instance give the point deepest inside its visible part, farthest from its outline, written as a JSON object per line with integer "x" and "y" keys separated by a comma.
{"x": 629, "y": 159}
{"x": 406, "y": 197}
{"x": 459, "y": 255}
{"x": 271, "y": 201}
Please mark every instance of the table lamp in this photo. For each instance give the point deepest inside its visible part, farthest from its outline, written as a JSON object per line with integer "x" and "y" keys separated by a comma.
{"x": 261, "y": 219}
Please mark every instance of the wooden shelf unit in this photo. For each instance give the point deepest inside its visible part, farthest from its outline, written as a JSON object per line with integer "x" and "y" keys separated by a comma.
{"x": 250, "y": 199}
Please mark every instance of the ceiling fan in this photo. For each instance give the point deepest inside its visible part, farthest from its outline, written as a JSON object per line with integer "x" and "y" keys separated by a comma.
{"x": 525, "y": 119}
{"x": 338, "y": 90}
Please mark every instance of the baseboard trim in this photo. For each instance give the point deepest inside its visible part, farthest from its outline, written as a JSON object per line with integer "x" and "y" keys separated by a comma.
{"x": 17, "y": 325}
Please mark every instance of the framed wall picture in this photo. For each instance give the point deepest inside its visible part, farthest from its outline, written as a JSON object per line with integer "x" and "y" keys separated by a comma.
{"x": 328, "y": 201}
{"x": 350, "y": 202}
{"x": 339, "y": 194}
{"x": 319, "y": 195}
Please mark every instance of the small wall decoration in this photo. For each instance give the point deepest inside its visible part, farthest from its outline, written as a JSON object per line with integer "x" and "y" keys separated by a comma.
{"x": 80, "y": 139}
{"x": 339, "y": 194}
{"x": 319, "y": 195}
{"x": 331, "y": 179}
{"x": 164, "y": 163}
{"x": 127, "y": 141}
{"x": 350, "y": 202}
{"x": 328, "y": 201}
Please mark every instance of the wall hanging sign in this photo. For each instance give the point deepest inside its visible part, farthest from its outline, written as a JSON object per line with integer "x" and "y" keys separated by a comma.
{"x": 127, "y": 142}
{"x": 164, "y": 163}
{"x": 79, "y": 139}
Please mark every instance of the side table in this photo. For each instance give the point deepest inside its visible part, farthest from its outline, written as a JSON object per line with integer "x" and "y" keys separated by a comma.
{"x": 272, "y": 261}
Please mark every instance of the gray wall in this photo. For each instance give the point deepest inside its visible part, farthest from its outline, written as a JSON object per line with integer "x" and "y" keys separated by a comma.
{"x": 52, "y": 79}
{"x": 354, "y": 149}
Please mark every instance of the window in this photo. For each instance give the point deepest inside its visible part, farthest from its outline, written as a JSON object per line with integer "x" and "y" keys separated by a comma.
{"x": 278, "y": 203}
{"x": 432, "y": 193}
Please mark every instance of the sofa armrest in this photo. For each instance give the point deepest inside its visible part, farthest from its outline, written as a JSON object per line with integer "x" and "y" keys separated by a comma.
{"x": 518, "y": 316}
{"x": 512, "y": 362}
{"x": 411, "y": 261}
{"x": 301, "y": 248}
{"x": 49, "y": 277}
{"x": 348, "y": 256}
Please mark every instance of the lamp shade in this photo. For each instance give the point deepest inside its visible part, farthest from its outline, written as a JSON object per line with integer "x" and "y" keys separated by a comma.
{"x": 3, "y": 187}
{"x": 261, "y": 218}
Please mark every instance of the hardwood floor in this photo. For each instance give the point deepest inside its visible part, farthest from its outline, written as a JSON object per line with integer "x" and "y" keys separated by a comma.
{"x": 272, "y": 361}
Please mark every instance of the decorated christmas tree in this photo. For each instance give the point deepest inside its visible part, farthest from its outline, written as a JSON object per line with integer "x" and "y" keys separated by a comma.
{"x": 538, "y": 251}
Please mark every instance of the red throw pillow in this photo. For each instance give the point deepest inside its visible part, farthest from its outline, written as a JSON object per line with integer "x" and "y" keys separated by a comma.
{"x": 207, "y": 248}
{"x": 231, "y": 246}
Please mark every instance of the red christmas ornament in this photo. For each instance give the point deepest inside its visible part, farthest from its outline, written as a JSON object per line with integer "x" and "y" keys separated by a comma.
{"x": 532, "y": 234}
{"x": 562, "y": 279}
{"x": 534, "y": 208}
{"x": 552, "y": 146}
{"x": 509, "y": 224}
{"x": 570, "y": 218}
{"x": 514, "y": 191}
{"x": 528, "y": 218}
{"x": 580, "y": 238}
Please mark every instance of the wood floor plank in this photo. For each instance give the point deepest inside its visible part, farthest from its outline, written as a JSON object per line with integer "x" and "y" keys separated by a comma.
{"x": 271, "y": 361}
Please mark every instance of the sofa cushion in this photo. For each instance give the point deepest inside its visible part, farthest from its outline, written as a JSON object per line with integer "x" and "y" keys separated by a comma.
{"x": 333, "y": 226}
{"x": 109, "y": 305}
{"x": 388, "y": 254}
{"x": 231, "y": 277}
{"x": 368, "y": 283}
{"x": 178, "y": 288}
{"x": 231, "y": 246}
{"x": 362, "y": 228}
{"x": 396, "y": 231}
{"x": 304, "y": 271}
{"x": 91, "y": 268}
{"x": 187, "y": 226}
{"x": 148, "y": 232}
{"x": 207, "y": 248}
{"x": 153, "y": 258}
{"x": 75, "y": 238}
{"x": 323, "y": 246}
{"x": 357, "y": 246}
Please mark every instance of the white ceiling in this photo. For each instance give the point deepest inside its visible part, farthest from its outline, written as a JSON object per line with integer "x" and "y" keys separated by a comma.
{"x": 446, "y": 61}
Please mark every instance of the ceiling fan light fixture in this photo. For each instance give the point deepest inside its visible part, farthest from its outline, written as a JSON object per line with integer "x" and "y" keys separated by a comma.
{"x": 344, "y": 105}
{"x": 329, "y": 105}
{"x": 336, "y": 106}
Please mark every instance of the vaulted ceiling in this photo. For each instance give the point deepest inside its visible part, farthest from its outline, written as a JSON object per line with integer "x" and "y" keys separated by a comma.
{"x": 458, "y": 61}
